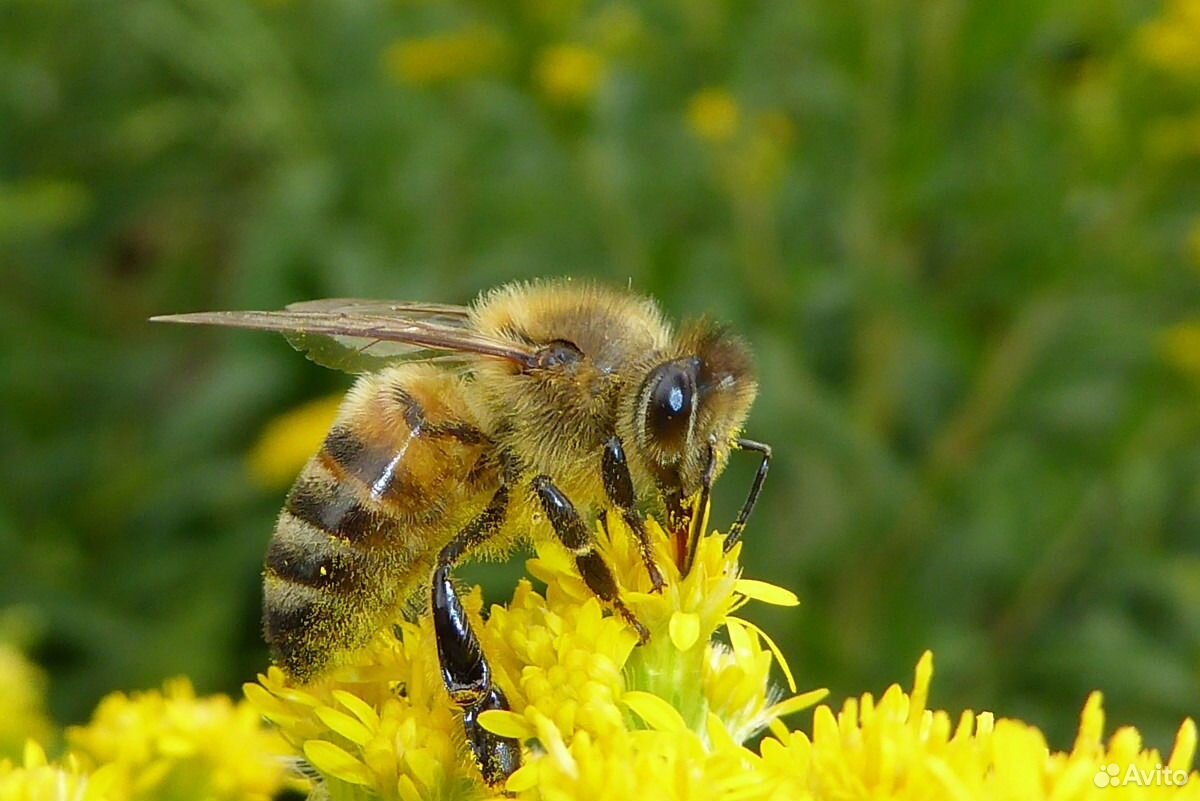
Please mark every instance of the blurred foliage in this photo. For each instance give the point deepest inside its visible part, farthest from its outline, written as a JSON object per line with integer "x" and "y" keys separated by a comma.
{"x": 962, "y": 237}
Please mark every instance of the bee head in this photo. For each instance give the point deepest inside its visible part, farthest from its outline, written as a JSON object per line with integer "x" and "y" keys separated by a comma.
{"x": 692, "y": 403}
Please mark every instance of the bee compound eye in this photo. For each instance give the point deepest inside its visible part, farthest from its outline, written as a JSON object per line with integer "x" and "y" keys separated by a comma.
{"x": 670, "y": 400}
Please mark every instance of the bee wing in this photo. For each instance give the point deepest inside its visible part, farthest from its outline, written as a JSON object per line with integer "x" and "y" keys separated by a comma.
{"x": 359, "y": 336}
{"x": 449, "y": 314}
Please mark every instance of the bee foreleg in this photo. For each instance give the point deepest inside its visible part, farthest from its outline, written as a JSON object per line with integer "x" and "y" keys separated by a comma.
{"x": 465, "y": 670}
{"x": 739, "y": 523}
{"x": 698, "y": 519}
{"x": 573, "y": 532}
{"x": 618, "y": 485}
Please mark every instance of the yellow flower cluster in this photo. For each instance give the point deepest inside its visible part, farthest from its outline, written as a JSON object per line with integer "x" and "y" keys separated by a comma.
{"x": 897, "y": 748}
{"x": 606, "y": 716}
{"x": 601, "y": 718}
{"x": 465, "y": 53}
{"x": 713, "y": 115}
{"x": 22, "y": 699}
{"x": 1179, "y": 346}
{"x": 157, "y": 746}
{"x": 173, "y": 745}
{"x": 752, "y": 150}
{"x": 569, "y": 74}
{"x": 1171, "y": 41}
{"x": 36, "y": 779}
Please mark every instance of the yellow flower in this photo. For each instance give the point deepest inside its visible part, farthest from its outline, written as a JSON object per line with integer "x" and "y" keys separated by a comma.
{"x": 22, "y": 699}
{"x": 602, "y": 718}
{"x": 469, "y": 52}
{"x": 599, "y": 714}
{"x": 1171, "y": 41}
{"x": 714, "y": 115}
{"x": 35, "y": 779}
{"x": 1180, "y": 347}
{"x": 569, "y": 74}
{"x": 290, "y": 440}
{"x": 897, "y": 748}
{"x": 159, "y": 746}
{"x": 380, "y": 727}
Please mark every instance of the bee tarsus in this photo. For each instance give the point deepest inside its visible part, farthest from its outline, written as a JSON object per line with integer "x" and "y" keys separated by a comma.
{"x": 498, "y": 757}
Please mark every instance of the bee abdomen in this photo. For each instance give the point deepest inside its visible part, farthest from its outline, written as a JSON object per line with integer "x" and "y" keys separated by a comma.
{"x": 388, "y": 475}
{"x": 362, "y": 523}
{"x": 319, "y": 598}
{"x": 303, "y": 554}
{"x": 294, "y": 618}
{"x": 334, "y": 507}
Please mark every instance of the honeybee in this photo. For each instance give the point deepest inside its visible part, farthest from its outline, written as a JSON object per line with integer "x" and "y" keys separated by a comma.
{"x": 533, "y": 412}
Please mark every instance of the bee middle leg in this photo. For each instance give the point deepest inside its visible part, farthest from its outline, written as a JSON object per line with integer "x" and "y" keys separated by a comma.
{"x": 618, "y": 485}
{"x": 465, "y": 670}
{"x": 570, "y": 529}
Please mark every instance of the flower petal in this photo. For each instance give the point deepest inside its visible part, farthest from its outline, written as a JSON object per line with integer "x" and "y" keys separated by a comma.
{"x": 795, "y": 703}
{"x": 507, "y": 724}
{"x": 684, "y": 629}
{"x": 334, "y": 761}
{"x": 344, "y": 725}
{"x": 787, "y": 671}
{"x": 360, "y": 708}
{"x": 766, "y": 592}
{"x": 657, "y": 713}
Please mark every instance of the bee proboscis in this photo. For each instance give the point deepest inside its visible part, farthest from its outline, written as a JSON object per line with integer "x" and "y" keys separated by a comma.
{"x": 533, "y": 412}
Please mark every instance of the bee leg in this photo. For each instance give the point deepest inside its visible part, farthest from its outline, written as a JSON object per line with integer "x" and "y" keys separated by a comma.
{"x": 698, "y": 519}
{"x": 618, "y": 485}
{"x": 465, "y": 670}
{"x": 739, "y": 523}
{"x": 573, "y": 533}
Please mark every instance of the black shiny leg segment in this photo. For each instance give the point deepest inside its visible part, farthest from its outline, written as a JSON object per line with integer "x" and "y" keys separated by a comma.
{"x": 570, "y": 529}
{"x": 739, "y": 523}
{"x": 465, "y": 670}
{"x": 618, "y": 485}
{"x": 699, "y": 516}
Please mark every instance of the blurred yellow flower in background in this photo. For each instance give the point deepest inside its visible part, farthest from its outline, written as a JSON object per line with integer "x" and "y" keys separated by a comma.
{"x": 168, "y": 745}
{"x": 714, "y": 115}
{"x": 290, "y": 440}
{"x": 466, "y": 53}
{"x": 1180, "y": 348}
{"x": 569, "y": 74}
{"x": 36, "y": 779}
{"x": 22, "y": 703}
{"x": 1171, "y": 41}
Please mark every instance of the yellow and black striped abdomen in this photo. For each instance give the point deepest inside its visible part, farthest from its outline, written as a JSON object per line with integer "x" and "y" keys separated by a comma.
{"x": 404, "y": 466}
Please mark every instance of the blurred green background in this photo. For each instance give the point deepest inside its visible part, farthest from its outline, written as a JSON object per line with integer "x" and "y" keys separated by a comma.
{"x": 962, "y": 237}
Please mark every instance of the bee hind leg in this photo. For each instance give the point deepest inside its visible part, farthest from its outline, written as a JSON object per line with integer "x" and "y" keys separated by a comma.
{"x": 573, "y": 533}
{"x": 465, "y": 669}
{"x": 618, "y": 485}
